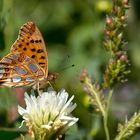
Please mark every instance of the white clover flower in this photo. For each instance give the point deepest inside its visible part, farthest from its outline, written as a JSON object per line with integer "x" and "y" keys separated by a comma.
{"x": 48, "y": 113}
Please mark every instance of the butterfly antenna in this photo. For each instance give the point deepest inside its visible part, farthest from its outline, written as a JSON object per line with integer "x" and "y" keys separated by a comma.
{"x": 67, "y": 67}
{"x": 65, "y": 60}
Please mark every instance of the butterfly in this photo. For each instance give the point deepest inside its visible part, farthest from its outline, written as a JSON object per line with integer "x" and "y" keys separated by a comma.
{"x": 27, "y": 62}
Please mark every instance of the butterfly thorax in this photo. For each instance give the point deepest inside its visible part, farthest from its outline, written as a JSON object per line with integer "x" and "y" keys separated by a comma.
{"x": 46, "y": 81}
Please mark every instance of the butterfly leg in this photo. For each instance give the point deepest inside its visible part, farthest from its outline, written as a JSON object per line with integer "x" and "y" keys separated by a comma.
{"x": 37, "y": 87}
{"x": 50, "y": 85}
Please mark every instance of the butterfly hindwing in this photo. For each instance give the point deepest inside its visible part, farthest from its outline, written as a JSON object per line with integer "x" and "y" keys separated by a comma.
{"x": 19, "y": 70}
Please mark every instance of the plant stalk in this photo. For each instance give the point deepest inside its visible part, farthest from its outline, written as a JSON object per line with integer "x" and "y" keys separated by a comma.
{"x": 105, "y": 117}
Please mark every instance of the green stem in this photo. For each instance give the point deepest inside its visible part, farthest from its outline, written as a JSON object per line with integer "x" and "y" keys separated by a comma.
{"x": 103, "y": 110}
{"x": 108, "y": 102}
{"x": 105, "y": 117}
{"x": 95, "y": 94}
{"x": 106, "y": 128}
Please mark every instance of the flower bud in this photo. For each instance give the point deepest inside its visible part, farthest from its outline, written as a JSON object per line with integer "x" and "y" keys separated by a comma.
{"x": 125, "y": 2}
{"x": 83, "y": 75}
{"x": 119, "y": 53}
{"x": 123, "y": 18}
{"x": 123, "y": 58}
{"x": 107, "y": 33}
{"x": 108, "y": 21}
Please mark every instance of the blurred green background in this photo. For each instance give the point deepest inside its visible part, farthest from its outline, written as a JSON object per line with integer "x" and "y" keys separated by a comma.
{"x": 73, "y": 31}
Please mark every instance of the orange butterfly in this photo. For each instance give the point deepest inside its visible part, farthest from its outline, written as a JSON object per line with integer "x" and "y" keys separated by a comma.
{"x": 27, "y": 62}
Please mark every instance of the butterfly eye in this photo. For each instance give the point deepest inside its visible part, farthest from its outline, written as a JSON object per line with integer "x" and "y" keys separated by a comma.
{"x": 16, "y": 79}
{"x": 20, "y": 70}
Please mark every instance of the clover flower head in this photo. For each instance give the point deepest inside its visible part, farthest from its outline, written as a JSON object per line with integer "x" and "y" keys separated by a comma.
{"x": 48, "y": 113}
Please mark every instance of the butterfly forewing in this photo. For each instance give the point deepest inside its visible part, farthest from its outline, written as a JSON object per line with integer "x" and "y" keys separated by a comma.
{"x": 31, "y": 43}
